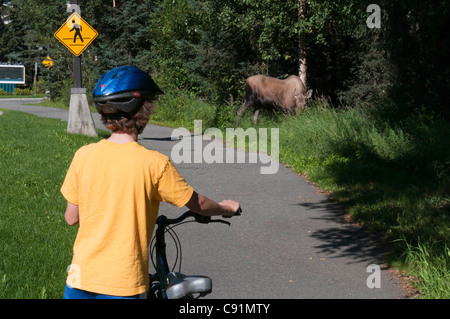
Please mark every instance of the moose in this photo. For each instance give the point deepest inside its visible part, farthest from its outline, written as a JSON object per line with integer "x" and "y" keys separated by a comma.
{"x": 265, "y": 92}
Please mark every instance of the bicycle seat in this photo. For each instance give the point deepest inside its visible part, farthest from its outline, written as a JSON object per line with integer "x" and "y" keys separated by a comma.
{"x": 181, "y": 285}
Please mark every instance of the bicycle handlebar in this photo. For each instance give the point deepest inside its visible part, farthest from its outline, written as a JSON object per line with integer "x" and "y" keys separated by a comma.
{"x": 202, "y": 219}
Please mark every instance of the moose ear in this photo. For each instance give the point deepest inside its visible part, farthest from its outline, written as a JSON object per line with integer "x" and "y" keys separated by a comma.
{"x": 308, "y": 94}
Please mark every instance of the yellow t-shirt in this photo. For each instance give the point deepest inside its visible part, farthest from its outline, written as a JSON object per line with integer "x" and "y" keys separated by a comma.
{"x": 118, "y": 188}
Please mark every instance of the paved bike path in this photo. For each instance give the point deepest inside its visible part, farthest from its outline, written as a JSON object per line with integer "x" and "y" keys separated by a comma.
{"x": 290, "y": 242}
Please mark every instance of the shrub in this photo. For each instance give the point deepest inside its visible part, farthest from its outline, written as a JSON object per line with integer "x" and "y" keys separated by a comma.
{"x": 23, "y": 91}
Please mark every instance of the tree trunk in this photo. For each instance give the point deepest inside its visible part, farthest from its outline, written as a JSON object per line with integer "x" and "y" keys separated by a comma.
{"x": 301, "y": 45}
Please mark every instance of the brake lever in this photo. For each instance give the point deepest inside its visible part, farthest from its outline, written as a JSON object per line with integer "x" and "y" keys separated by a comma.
{"x": 202, "y": 219}
{"x": 238, "y": 213}
{"x": 220, "y": 221}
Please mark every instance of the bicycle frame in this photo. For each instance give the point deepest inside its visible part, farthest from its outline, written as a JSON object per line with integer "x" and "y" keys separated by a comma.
{"x": 163, "y": 277}
{"x": 162, "y": 268}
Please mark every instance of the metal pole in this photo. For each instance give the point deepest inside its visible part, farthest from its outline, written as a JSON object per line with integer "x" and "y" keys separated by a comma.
{"x": 35, "y": 77}
{"x": 80, "y": 118}
{"x": 77, "y": 82}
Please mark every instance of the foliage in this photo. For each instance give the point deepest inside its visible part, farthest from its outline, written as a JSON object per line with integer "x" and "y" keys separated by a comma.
{"x": 182, "y": 110}
{"x": 207, "y": 48}
{"x": 406, "y": 60}
{"x": 431, "y": 268}
{"x": 122, "y": 40}
{"x": 23, "y": 91}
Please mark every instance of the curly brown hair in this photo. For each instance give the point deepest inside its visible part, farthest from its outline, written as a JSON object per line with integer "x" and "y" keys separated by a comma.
{"x": 129, "y": 123}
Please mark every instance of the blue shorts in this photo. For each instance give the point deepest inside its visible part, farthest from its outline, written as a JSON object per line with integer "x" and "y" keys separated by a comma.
{"x": 73, "y": 293}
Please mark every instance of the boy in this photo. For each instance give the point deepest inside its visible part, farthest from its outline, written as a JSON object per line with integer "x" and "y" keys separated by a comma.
{"x": 113, "y": 189}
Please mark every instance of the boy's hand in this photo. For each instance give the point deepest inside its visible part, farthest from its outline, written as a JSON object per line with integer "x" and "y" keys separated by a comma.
{"x": 231, "y": 206}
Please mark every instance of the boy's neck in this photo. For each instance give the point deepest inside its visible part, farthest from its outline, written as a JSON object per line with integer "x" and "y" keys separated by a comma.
{"x": 122, "y": 138}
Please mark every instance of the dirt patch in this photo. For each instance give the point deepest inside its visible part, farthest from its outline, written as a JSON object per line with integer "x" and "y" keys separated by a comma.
{"x": 409, "y": 290}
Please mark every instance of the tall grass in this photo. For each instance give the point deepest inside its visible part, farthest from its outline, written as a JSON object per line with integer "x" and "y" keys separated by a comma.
{"x": 181, "y": 111}
{"x": 431, "y": 269}
{"x": 326, "y": 136}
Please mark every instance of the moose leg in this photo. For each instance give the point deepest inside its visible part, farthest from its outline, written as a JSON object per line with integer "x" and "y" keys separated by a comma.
{"x": 255, "y": 116}
{"x": 241, "y": 112}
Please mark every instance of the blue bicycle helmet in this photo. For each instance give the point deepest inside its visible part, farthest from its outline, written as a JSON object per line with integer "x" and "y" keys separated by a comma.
{"x": 124, "y": 89}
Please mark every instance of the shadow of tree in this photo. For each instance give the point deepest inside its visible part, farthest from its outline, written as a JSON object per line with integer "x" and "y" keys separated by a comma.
{"x": 347, "y": 239}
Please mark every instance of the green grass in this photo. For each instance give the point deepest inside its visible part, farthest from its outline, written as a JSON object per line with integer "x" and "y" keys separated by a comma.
{"x": 60, "y": 104}
{"x": 430, "y": 267}
{"x": 36, "y": 243}
{"x": 181, "y": 111}
{"x": 14, "y": 96}
{"x": 56, "y": 104}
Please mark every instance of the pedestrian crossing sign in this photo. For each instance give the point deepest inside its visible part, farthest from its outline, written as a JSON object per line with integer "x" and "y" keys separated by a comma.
{"x": 76, "y": 34}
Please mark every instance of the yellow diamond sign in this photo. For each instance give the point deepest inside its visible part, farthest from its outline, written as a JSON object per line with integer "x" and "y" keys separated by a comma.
{"x": 48, "y": 62}
{"x": 76, "y": 34}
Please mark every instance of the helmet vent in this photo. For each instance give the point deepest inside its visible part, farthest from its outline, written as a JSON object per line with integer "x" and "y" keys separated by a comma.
{"x": 122, "y": 100}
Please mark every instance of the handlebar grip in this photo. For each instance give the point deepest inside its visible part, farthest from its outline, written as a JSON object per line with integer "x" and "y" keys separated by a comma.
{"x": 238, "y": 213}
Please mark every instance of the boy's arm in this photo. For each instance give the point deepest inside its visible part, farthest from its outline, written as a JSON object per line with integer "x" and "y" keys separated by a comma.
{"x": 203, "y": 205}
{"x": 72, "y": 214}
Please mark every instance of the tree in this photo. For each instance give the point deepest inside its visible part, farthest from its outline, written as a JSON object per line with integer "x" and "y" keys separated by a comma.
{"x": 207, "y": 48}
{"x": 28, "y": 38}
{"x": 419, "y": 47}
{"x": 301, "y": 45}
{"x": 214, "y": 45}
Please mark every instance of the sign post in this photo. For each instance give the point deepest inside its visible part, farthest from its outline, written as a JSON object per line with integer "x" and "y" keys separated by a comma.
{"x": 76, "y": 35}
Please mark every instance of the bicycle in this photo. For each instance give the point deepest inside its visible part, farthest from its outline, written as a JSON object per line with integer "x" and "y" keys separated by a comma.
{"x": 169, "y": 284}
